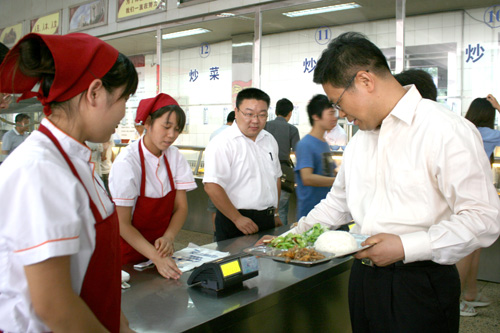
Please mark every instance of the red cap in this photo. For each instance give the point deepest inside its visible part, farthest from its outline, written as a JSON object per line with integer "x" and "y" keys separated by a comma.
{"x": 150, "y": 105}
{"x": 79, "y": 59}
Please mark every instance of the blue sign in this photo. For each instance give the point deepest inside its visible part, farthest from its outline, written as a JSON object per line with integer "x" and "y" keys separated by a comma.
{"x": 323, "y": 35}
{"x": 204, "y": 50}
{"x": 492, "y": 16}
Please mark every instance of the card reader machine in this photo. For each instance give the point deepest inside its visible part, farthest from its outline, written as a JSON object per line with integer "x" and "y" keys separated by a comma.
{"x": 225, "y": 272}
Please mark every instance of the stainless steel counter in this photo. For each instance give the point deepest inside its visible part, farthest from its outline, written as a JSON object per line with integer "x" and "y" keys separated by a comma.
{"x": 282, "y": 297}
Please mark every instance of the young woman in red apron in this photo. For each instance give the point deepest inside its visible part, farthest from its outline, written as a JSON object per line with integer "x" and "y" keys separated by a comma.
{"x": 148, "y": 182}
{"x": 61, "y": 255}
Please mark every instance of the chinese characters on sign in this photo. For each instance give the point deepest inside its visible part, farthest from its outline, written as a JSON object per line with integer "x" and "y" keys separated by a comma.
{"x": 214, "y": 73}
{"x": 127, "y": 8}
{"x": 193, "y": 75}
{"x": 309, "y": 65}
{"x": 474, "y": 53}
{"x": 47, "y": 25}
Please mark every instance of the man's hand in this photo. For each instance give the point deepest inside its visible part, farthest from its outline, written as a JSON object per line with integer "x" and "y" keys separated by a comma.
{"x": 277, "y": 221}
{"x": 246, "y": 225}
{"x": 387, "y": 249}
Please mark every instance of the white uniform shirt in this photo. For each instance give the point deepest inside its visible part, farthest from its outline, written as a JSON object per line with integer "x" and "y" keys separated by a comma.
{"x": 44, "y": 213}
{"x": 336, "y": 136}
{"x": 423, "y": 176}
{"x": 125, "y": 175}
{"x": 247, "y": 170}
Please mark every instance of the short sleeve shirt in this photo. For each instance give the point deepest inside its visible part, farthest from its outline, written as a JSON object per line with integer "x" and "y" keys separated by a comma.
{"x": 247, "y": 170}
{"x": 126, "y": 171}
{"x": 44, "y": 213}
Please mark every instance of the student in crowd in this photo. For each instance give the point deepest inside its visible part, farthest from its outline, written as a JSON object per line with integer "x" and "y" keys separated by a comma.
{"x": 13, "y": 138}
{"x": 106, "y": 161}
{"x": 60, "y": 257}
{"x": 229, "y": 121}
{"x": 482, "y": 114}
{"x": 336, "y": 137}
{"x": 421, "y": 79}
{"x": 242, "y": 170}
{"x": 312, "y": 184}
{"x": 148, "y": 183}
{"x": 287, "y": 137}
{"x": 400, "y": 182}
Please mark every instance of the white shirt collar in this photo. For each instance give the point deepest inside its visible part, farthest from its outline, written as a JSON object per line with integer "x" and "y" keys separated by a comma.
{"x": 407, "y": 105}
{"x": 71, "y": 146}
{"x": 234, "y": 131}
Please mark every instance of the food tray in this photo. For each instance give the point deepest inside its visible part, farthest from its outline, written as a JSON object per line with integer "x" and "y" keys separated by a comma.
{"x": 268, "y": 252}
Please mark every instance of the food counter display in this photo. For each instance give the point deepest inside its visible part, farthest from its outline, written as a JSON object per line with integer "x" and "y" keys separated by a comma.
{"x": 283, "y": 297}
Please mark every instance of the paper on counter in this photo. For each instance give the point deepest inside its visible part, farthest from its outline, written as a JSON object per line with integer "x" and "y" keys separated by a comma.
{"x": 193, "y": 256}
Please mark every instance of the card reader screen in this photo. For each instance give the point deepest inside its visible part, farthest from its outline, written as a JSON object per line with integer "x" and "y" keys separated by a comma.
{"x": 230, "y": 268}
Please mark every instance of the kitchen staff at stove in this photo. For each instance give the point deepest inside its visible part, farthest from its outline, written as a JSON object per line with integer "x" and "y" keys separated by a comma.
{"x": 59, "y": 237}
{"x": 148, "y": 183}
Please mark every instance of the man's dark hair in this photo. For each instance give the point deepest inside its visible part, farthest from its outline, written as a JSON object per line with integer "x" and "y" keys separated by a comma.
{"x": 284, "y": 107}
{"x": 3, "y": 51}
{"x": 252, "y": 93}
{"x": 481, "y": 113}
{"x": 346, "y": 55}
{"x": 21, "y": 116}
{"x": 421, "y": 79}
{"x": 230, "y": 117}
{"x": 316, "y": 106}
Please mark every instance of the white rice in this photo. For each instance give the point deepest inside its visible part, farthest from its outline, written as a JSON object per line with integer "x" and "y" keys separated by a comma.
{"x": 337, "y": 242}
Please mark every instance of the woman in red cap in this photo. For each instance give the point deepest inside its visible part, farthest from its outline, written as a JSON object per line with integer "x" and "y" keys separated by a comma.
{"x": 148, "y": 183}
{"x": 59, "y": 237}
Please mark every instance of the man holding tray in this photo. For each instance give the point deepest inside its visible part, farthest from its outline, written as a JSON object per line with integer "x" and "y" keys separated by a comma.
{"x": 400, "y": 182}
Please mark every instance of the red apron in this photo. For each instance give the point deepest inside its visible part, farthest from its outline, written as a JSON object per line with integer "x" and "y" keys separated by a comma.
{"x": 151, "y": 215}
{"x": 101, "y": 289}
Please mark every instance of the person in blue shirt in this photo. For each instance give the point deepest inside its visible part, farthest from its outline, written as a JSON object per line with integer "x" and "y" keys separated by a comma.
{"x": 481, "y": 113}
{"x": 312, "y": 184}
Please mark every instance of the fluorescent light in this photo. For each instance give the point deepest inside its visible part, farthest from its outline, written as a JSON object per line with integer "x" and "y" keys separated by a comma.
{"x": 225, "y": 15}
{"x": 321, "y": 10}
{"x": 242, "y": 44}
{"x": 185, "y": 33}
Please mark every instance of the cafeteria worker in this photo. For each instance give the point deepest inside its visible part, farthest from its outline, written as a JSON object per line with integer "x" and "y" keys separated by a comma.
{"x": 148, "y": 183}
{"x": 59, "y": 237}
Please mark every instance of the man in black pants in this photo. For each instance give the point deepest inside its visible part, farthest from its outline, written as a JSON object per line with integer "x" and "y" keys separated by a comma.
{"x": 400, "y": 182}
{"x": 242, "y": 170}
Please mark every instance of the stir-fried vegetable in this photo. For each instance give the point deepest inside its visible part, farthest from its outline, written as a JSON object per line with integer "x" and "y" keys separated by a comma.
{"x": 301, "y": 240}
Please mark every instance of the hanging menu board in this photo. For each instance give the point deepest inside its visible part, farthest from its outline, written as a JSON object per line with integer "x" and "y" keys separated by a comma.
{"x": 88, "y": 15}
{"x": 47, "y": 25}
{"x": 11, "y": 35}
{"x": 132, "y": 8}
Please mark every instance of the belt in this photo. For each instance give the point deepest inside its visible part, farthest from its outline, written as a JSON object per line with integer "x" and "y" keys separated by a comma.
{"x": 268, "y": 211}
{"x": 426, "y": 263}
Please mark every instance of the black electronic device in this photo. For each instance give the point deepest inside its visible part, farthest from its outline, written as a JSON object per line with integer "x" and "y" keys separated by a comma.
{"x": 225, "y": 272}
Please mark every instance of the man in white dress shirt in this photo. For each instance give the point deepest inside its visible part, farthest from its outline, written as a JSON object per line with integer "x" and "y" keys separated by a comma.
{"x": 242, "y": 170}
{"x": 404, "y": 182}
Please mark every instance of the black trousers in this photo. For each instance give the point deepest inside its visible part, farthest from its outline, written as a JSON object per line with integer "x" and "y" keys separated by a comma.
{"x": 416, "y": 297}
{"x": 225, "y": 228}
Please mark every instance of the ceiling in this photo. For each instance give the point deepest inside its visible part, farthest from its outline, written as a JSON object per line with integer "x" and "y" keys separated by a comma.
{"x": 274, "y": 22}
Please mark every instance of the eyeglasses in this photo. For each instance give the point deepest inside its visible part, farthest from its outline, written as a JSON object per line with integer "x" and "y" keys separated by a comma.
{"x": 250, "y": 116}
{"x": 336, "y": 105}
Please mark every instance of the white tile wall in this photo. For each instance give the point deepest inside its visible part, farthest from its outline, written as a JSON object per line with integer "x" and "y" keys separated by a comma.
{"x": 283, "y": 56}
